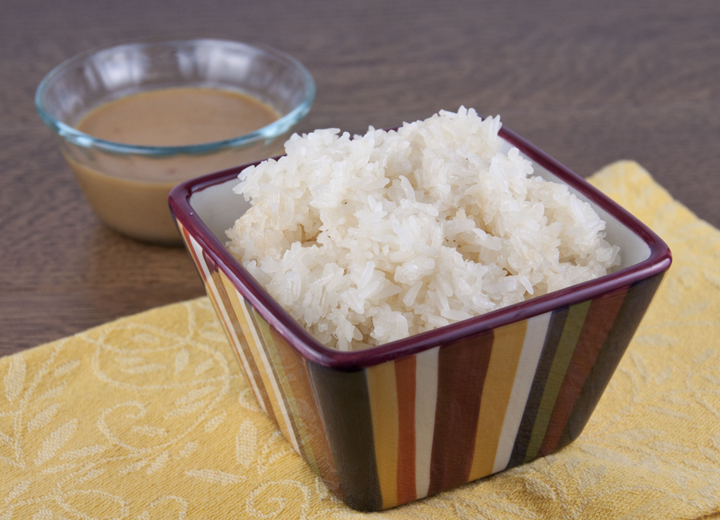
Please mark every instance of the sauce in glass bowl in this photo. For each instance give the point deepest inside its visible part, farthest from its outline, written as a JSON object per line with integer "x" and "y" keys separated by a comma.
{"x": 129, "y": 193}
{"x": 136, "y": 119}
{"x": 177, "y": 117}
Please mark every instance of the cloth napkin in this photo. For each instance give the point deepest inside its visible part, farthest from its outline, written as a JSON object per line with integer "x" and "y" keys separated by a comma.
{"x": 150, "y": 417}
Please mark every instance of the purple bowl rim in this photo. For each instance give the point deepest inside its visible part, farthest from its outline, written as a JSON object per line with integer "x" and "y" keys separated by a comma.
{"x": 307, "y": 346}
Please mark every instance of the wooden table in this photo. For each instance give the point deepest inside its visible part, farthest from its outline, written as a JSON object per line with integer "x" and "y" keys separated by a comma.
{"x": 589, "y": 82}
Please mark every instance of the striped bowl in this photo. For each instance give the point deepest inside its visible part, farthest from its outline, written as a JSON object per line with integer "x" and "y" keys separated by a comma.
{"x": 417, "y": 416}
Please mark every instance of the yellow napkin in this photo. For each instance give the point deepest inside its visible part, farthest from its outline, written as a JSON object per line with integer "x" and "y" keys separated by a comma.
{"x": 149, "y": 416}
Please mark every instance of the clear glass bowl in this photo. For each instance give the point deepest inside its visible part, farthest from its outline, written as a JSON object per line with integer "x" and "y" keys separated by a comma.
{"x": 127, "y": 185}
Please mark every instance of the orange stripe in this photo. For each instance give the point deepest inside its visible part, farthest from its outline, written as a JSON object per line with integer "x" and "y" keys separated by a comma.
{"x": 382, "y": 389}
{"x": 504, "y": 359}
{"x": 405, "y": 376}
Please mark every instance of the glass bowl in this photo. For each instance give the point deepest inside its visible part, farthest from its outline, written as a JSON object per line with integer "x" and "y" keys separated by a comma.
{"x": 127, "y": 185}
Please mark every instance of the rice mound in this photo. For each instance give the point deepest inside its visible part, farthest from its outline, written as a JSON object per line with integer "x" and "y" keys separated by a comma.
{"x": 371, "y": 239}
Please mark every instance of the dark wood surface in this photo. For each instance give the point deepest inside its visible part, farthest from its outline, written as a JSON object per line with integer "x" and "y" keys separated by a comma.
{"x": 589, "y": 82}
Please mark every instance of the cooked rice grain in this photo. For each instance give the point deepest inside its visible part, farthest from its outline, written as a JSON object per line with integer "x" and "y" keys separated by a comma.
{"x": 370, "y": 239}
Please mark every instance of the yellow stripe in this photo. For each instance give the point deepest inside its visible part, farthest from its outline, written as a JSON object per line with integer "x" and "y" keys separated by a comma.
{"x": 504, "y": 359}
{"x": 384, "y": 410}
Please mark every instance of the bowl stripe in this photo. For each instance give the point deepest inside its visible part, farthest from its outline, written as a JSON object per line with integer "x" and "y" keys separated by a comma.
{"x": 504, "y": 359}
{"x": 551, "y": 340}
{"x": 621, "y": 332}
{"x": 533, "y": 342}
{"x": 426, "y": 392}
{"x": 405, "y": 371}
{"x": 275, "y": 396}
{"x": 295, "y": 392}
{"x": 253, "y": 342}
{"x": 563, "y": 355}
{"x": 313, "y": 438}
{"x": 350, "y": 435}
{"x": 384, "y": 408}
{"x": 285, "y": 391}
{"x": 256, "y": 374}
{"x": 245, "y": 333}
{"x": 462, "y": 368}
{"x": 600, "y": 318}
{"x": 196, "y": 252}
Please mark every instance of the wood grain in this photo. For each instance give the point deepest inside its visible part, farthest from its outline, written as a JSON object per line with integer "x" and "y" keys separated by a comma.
{"x": 588, "y": 82}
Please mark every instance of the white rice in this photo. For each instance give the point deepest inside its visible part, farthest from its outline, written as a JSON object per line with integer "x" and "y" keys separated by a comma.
{"x": 370, "y": 239}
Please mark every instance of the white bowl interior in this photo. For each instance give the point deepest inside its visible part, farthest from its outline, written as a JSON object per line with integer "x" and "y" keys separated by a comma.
{"x": 219, "y": 207}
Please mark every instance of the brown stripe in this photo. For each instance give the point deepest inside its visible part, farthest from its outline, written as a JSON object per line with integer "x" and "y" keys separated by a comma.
{"x": 461, "y": 375}
{"x": 405, "y": 380}
{"x": 633, "y": 308}
{"x": 599, "y": 320}
{"x": 345, "y": 406}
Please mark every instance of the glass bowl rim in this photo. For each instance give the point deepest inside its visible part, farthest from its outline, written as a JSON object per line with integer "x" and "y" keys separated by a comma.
{"x": 268, "y": 132}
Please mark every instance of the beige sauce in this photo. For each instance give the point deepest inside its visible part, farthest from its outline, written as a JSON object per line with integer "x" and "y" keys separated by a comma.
{"x": 177, "y": 117}
{"x": 129, "y": 193}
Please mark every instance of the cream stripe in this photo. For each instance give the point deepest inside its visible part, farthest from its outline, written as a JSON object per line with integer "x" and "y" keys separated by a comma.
{"x": 426, "y": 385}
{"x": 507, "y": 347}
{"x": 532, "y": 348}
{"x": 288, "y": 430}
{"x": 221, "y": 308}
{"x": 382, "y": 389}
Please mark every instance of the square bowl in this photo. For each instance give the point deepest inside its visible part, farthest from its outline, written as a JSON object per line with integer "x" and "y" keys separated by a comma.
{"x": 408, "y": 419}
